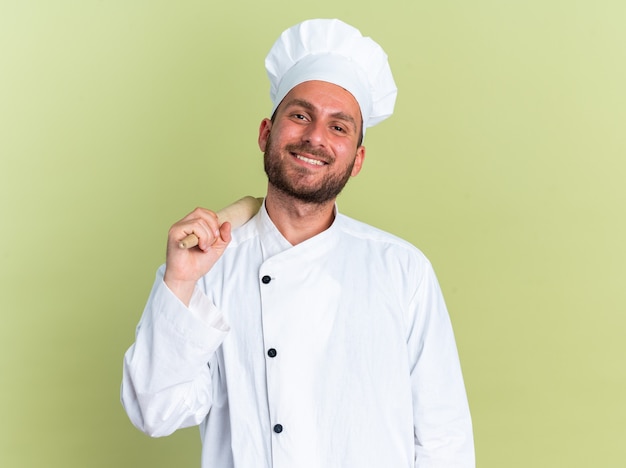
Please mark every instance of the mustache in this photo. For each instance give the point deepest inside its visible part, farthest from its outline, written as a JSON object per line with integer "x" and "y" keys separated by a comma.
{"x": 308, "y": 149}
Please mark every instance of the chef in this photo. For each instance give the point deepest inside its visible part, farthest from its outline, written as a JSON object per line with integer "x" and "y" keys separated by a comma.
{"x": 304, "y": 338}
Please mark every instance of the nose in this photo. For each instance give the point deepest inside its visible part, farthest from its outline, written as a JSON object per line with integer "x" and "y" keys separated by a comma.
{"x": 315, "y": 134}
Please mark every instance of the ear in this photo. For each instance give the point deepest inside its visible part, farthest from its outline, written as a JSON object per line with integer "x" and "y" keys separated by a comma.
{"x": 264, "y": 133}
{"x": 358, "y": 160}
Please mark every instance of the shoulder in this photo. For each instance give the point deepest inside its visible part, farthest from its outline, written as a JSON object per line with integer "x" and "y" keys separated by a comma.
{"x": 378, "y": 239}
{"x": 246, "y": 233}
{"x": 394, "y": 263}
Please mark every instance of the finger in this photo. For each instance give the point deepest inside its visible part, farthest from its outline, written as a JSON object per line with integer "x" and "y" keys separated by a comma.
{"x": 225, "y": 232}
{"x": 207, "y": 234}
{"x": 196, "y": 231}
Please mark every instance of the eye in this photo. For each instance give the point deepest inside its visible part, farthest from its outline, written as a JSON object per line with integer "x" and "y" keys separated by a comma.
{"x": 299, "y": 116}
{"x": 338, "y": 128}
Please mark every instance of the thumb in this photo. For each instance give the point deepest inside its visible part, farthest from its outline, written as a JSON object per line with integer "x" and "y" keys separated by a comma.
{"x": 225, "y": 236}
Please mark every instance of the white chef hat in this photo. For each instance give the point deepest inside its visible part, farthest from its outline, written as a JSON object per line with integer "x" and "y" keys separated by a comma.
{"x": 333, "y": 51}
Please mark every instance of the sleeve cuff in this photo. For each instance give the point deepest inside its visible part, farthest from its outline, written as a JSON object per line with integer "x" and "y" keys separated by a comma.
{"x": 201, "y": 324}
{"x": 203, "y": 309}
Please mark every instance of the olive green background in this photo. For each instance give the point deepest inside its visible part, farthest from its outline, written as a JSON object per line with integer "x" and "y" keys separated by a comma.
{"x": 504, "y": 162}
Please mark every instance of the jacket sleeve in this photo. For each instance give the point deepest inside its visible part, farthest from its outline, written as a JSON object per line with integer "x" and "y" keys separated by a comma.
{"x": 441, "y": 417}
{"x": 167, "y": 378}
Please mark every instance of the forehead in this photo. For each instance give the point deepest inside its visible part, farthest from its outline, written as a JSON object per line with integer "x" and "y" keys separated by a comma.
{"x": 324, "y": 97}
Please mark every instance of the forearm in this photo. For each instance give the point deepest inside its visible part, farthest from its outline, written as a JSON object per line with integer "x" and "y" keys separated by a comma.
{"x": 442, "y": 421}
{"x": 167, "y": 383}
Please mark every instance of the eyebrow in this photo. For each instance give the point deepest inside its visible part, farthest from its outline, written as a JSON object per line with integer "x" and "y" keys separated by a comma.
{"x": 308, "y": 106}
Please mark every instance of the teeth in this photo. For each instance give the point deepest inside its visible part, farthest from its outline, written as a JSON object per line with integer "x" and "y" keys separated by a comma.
{"x": 309, "y": 160}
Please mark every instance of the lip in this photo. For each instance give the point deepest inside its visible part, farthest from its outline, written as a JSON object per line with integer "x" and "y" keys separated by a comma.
{"x": 308, "y": 160}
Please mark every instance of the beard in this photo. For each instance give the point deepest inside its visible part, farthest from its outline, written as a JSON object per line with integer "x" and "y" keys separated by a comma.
{"x": 326, "y": 190}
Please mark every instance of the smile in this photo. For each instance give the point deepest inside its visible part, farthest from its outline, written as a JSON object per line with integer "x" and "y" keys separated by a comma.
{"x": 315, "y": 162}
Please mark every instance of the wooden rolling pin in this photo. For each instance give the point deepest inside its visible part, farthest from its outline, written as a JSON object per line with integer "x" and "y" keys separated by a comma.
{"x": 237, "y": 214}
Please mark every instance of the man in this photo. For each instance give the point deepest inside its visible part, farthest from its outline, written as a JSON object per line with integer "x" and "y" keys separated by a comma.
{"x": 304, "y": 338}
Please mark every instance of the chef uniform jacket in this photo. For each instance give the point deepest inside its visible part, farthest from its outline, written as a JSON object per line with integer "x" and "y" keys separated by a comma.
{"x": 336, "y": 352}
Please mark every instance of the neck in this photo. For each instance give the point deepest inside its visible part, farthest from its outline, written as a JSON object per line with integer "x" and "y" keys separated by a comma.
{"x": 296, "y": 220}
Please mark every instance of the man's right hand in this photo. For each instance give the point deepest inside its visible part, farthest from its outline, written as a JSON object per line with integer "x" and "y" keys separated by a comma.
{"x": 184, "y": 267}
